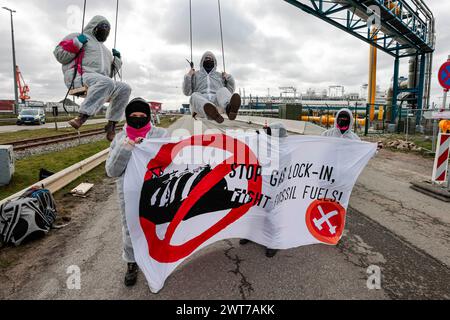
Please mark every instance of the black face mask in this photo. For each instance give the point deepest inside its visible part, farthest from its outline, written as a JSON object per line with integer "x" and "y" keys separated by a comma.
{"x": 209, "y": 65}
{"x": 137, "y": 122}
{"x": 101, "y": 32}
{"x": 343, "y": 124}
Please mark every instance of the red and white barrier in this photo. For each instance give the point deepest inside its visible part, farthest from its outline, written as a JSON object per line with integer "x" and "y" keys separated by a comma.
{"x": 440, "y": 168}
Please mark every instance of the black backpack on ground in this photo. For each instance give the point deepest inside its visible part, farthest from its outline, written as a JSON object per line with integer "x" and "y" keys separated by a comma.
{"x": 27, "y": 218}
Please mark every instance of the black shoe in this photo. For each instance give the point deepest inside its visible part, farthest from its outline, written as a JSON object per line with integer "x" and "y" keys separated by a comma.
{"x": 233, "y": 107}
{"x": 131, "y": 275}
{"x": 270, "y": 253}
{"x": 110, "y": 130}
{"x": 243, "y": 242}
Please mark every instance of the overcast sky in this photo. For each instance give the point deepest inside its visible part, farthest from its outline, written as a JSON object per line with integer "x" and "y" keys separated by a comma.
{"x": 268, "y": 44}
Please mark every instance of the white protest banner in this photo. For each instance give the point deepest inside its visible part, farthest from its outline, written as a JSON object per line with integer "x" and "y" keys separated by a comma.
{"x": 183, "y": 195}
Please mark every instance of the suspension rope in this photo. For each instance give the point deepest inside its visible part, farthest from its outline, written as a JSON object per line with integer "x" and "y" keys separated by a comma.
{"x": 114, "y": 72}
{"x": 221, "y": 35}
{"x": 117, "y": 19}
{"x": 75, "y": 67}
{"x": 190, "y": 29}
{"x": 84, "y": 16}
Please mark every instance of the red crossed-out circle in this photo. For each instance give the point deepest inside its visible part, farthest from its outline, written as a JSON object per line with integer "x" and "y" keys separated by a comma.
{"x": 161, "y": 250}
{"x": 444, "y": 75}
{"x": 338, "y": 221}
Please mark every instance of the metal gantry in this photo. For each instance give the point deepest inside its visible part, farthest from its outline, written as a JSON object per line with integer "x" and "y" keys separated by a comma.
{"x": 403, "y": 28}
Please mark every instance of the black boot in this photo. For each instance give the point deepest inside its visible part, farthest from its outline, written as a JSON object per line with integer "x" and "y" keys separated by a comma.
{"x": 243, "y": 242}
{"x": 131, "y": 275}
{"x": 110, "y": 130}
{"x": 270, "y": 253}
{"x": 78, "y": 121}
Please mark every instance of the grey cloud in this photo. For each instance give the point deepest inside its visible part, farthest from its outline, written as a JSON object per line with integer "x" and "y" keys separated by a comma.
{"x": 297, "y": 46}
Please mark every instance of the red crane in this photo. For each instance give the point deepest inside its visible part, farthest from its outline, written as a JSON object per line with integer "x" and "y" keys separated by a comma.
{"x": 24, "y": 89}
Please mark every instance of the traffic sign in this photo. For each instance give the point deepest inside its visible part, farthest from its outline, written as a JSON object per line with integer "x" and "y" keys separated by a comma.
{"x": 444, "y": 75}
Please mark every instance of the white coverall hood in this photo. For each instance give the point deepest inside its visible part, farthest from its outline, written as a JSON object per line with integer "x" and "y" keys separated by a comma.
{"x": 352, "y": 120}
{"x": 202, "y": 61}
{"x": 336, "y": 132}
{"x": 95, "y": 21}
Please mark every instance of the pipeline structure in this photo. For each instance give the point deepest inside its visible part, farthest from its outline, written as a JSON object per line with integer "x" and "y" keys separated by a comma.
{"x": 400, "y": 28}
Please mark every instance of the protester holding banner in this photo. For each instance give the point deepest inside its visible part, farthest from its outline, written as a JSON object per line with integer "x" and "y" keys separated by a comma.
{"x": 278, "y": 131}
{"x": 138, "y": 128}
{"x": 343, "y": 126}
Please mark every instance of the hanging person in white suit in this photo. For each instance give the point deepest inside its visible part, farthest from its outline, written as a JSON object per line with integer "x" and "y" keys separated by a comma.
{"x": 212, "y": 93}
{"x": 87, "y": 61}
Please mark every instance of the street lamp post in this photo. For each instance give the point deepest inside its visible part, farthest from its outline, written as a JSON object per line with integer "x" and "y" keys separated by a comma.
{"x": 16, "y": 94}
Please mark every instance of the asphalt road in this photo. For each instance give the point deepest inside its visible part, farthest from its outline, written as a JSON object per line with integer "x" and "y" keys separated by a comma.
{"x": 389, "y": 226}
{"x": 44, "y": 126}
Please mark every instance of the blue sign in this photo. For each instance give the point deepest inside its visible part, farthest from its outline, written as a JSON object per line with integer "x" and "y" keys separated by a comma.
{"x": 444, "y": 75}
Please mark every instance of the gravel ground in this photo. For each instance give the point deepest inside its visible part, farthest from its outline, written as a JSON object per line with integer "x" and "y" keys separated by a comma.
{"x": 19, "y": 155}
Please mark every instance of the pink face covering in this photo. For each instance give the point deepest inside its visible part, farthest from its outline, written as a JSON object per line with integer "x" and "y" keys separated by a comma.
{"x": 133, "y": 133}
{"x": 343, "y": 128}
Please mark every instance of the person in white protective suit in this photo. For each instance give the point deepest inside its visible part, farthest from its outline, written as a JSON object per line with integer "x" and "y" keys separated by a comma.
{"x": 212, "y": 93}
{"x": 138, "y": 128}
{"x": 87, "y": 62}
{"x": 342, "y": 126}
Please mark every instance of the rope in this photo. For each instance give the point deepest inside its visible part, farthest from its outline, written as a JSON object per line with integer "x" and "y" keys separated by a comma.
{"x": 113, "y": 71}
{"x": 75, "y": 67}
{"x": 117, "y": 19}
{"x": 190, "y": 28}
{"x": 84, "y": 16}
{"x": 82, "y": 48}
{"x": 221, "y": 35}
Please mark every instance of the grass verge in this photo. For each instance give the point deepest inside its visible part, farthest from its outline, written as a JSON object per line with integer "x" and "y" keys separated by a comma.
{"x": 27, "y": 170}
{"x": 49, "y": 119}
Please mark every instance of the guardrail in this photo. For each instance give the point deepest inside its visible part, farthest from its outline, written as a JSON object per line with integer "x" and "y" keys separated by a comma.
{"x": 63, "y": 178}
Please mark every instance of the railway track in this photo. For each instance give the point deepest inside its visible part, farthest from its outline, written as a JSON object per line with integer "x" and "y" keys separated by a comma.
{"x": 39, "y": 142}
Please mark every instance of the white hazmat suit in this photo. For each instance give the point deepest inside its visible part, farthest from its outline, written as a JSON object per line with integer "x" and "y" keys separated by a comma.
{"x": 204, "y": 87}
{"x": 116, "y": 166}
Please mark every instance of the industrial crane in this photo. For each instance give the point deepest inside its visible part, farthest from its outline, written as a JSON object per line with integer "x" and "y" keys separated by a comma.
{"x": 24, "y": 89}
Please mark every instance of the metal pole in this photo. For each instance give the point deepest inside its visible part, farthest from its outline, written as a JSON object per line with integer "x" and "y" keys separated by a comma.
{"x": 395, "y": 89}
{"x": 421, "y": 88}
{"x": 366, "y": 125}
{"x": 444, "y": 101}
{"x": 407, "y": 127}
{"x": 16, "y": 92}
{"x": 435, "y": 135}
